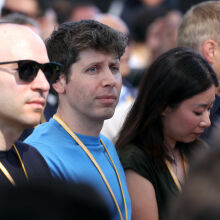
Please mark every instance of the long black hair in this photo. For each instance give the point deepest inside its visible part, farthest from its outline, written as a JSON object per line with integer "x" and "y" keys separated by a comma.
{"x": 174, "y": 77}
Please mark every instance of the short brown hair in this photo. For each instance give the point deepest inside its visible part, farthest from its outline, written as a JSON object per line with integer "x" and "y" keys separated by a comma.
{"x": 200, "y": 23}
{"x": 65, "y": 44}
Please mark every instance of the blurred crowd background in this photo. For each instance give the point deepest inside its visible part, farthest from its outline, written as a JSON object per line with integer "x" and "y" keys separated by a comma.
{"x": 151, "y": 26}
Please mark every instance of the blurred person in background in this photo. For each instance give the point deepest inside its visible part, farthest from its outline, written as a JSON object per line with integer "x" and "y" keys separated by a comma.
{"x": 52, "y": 200}
{"x": 154, "y": 31}
{"x": 200, "y": 198}
{"x": 129, "y": 7}
{"x": 83, "y": 10}
{"x": 168, "y": 39}
{"x": 63, "y": 9}
{"x": 146, "y": 31}
{"x": 2, "y": 2}
{"x": 18, "y": 18}
{"x": 40, "y": 10}
{"x": 68, "y": 10}
{"x": 199, "y": 30}
{"x": 184, "y": 6}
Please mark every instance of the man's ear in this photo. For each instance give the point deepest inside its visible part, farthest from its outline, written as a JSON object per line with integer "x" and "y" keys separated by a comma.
{"x": 209, "y": 48}
{"x": 166, "y": 111}
{"x": 60, "y": 85}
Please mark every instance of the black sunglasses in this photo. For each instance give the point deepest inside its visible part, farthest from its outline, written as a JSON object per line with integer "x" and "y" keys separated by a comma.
{"x": 28, "y": 69}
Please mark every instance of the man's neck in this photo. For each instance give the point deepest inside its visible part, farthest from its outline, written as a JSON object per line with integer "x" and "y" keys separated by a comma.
{"x": 8, "y": 138}
{"x": 10, "y": 131}
{"x": 81, "y": 125}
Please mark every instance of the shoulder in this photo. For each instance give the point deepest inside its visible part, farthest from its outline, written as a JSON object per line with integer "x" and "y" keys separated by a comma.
{"x": 132, "y": 157}
{"x": 48, "y": 133}
{"x": 27, "y": 150}
{"x": 47, "y": 126}
{"x": 131, "y": 151}
{"x": 39, "y": 131}
{"x": 32, "y": 159}
{"x": 109, "y": 145}
{"x": 106, "y": 141}
{"x": 104, "y": 138}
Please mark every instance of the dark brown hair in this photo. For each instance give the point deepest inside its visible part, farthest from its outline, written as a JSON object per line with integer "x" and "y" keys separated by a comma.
{"x": 65, "y": 44}
{"x": 175, "y": 76}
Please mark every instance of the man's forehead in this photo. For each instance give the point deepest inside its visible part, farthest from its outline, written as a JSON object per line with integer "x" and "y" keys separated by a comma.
{"x": 16, "y": 32}
{"x": 9, "y": 29}
{"x": 10, "y": 36}
{"x": 99, "y": 52}
{"x": 20, "y": 42}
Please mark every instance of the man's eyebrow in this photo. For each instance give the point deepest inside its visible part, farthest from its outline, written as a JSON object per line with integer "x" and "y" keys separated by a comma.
{"x": 116, "y": 61}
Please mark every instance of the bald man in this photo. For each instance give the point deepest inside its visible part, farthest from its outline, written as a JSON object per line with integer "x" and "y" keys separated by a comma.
{"x": 25, "y": 74}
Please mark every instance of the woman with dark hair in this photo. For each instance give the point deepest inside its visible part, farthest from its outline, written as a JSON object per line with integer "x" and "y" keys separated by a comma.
{"x": 161, "y": 131}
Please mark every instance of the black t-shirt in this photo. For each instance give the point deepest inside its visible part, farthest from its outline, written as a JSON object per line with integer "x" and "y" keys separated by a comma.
{"x": 34, "y": 164}
{"x": 142, "y": 163}
{"x": 136, "y": 159}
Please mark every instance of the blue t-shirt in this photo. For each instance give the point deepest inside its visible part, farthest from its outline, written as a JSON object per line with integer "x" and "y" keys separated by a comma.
{"x": 69, "y": 162}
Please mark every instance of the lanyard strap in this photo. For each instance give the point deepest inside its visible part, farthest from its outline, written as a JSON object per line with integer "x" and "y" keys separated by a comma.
{"x": 21, "y": 162}
{"x": 174, "y": 176}
{"x": 85, "y": 149}
{"x": 7, "y": 174}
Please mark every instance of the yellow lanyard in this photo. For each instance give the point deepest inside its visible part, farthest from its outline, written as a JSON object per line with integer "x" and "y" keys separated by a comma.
{"x": 42, "y": 119}
{"x": 174, "y": 176}
{"x": 7, "y": 174}
{"x": 85, "y": 149}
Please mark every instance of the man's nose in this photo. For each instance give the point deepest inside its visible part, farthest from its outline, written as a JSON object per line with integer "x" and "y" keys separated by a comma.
{"x": 40, "y": 82}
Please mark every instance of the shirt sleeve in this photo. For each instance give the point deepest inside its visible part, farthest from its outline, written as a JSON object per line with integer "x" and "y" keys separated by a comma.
{"x": 137, "y": 160}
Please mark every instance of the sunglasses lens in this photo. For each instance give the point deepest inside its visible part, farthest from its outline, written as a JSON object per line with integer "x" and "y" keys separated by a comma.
{"x": 5, "y": 11}
{"x": 52, "y": 71}
{"x": 28, "y": 70}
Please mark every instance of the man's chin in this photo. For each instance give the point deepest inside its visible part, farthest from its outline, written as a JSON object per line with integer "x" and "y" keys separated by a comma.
{"x": 32, "y": 122}
{"x": 108, "y": 116}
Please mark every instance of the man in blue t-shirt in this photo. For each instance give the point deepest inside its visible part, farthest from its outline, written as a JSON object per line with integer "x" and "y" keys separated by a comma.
{"x": 88, "y": 91}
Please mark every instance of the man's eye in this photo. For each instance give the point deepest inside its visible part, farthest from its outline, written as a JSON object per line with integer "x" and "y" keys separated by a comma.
{"x": 92, "y": 69}
{"x": 115, "y": 68}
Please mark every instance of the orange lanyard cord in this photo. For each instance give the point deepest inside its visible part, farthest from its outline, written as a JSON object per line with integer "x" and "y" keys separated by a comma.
{"x": 85, "y": 149}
